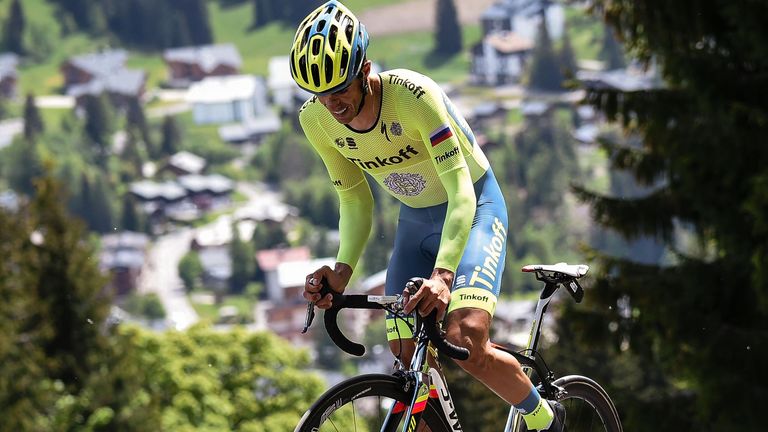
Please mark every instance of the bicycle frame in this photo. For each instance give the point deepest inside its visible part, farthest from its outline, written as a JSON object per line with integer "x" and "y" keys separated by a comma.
{"x": 424, "y": 377}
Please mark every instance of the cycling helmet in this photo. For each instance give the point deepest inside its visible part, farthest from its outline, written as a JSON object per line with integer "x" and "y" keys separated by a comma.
{"x": 328, "y": 49}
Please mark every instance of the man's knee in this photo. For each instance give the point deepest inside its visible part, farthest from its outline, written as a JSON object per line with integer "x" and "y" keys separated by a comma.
{"x": 469, "y": 328}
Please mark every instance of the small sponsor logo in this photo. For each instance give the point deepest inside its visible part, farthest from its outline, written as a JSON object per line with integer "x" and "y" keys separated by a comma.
{"x": 384, "y": 131}
{"x": 407, "y": 184}
{"x": 403, "y": 155}
{"x": 461, "y": 280}
{"x": 348, "y": 142}
{"x": 405, "y": 82}
{"x": 337, "y": 182}
{"x": 396, "y": 129}
{"x": 447, "y": 155}
{"x": 307, "y": 103}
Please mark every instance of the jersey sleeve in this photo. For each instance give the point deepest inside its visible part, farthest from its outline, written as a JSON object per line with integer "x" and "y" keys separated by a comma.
{"x": 355, "y": 199}
{"x": 437, "y": 130}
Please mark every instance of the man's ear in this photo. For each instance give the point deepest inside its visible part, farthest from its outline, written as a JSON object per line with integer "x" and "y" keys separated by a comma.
{"x": 366, "y": 69}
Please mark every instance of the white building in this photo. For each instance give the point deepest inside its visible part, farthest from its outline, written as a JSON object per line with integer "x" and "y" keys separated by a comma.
{"x": 228, "y": 99}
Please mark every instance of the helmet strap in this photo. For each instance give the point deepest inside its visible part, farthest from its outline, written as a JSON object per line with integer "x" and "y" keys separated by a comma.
{"x": 364, "y": 86}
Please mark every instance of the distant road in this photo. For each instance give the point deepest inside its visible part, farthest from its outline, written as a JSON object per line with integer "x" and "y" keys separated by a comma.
{"x": 161, "y": 276}
{"x": 417, "y": 15}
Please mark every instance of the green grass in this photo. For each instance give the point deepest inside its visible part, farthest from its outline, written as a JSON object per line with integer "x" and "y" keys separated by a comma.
{"x": 586, "y": 33}
{"x": 413, "y": 51}
{"x": 243, "y": 303}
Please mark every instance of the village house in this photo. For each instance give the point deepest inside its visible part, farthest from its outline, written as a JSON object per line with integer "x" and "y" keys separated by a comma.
{"x": 269, "y": 260}
{"x": 510, "y": 28}
{"x": 104, "y": 72}
{"x": 239, "y": 103}
{"x": 286, "y": 94}
{"x": 184, "y": 199}
{"x": 8, "y": 75}
{"x": 187, "y": 65}
{"x": 123, "y": 256}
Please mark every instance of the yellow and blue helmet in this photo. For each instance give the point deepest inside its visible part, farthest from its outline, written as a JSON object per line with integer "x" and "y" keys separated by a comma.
{"x": 328, "y": 49}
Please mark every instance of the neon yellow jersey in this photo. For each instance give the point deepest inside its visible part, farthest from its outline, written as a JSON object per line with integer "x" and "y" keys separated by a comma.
{"x": 420, "y": 150}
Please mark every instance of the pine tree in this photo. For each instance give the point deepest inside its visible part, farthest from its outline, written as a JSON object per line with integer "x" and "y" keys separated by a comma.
{"x": 13, "y": 35}
{"x": 69, "y": 285}
{"x": 195, "y": 13}
{"x": 99, "y": 123}
{"x": 680, "y": 323}
{"x": 544, "y": 73}
{"x": 448, "y": 32}
{"x": 171, "y": 142}
{"x": 33, "y": 122}
{"x": 263, "y": 13}
{"x": 243, "y": 262}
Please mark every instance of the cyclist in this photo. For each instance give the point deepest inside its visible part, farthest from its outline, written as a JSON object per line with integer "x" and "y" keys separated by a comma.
{"x": 400, "y": 128}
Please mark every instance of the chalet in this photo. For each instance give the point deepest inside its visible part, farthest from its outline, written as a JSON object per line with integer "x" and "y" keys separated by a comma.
{"x": 103, "y": 72}
{"x": 269, "y": 260}
{"x": 8, "y": 75}
{"x": 207, "y": 192}
{"x": 631, "y": 79}
{"x": 123, "y": 255}
{"x": 230, "y": 99}
{"x": 187, "y": 65}
{"x": 500, "y": 58}
{"x": 286, "y": 94}
{"x": 219, "y": 233}
{"x": 509, "y": 29}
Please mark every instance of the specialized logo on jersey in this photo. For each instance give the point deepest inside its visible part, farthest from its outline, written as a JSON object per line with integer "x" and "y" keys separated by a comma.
{"x": 348, "y": 141}
{"x": 405, "y": 82}
{"x": 403, "y": 155}
{"x": 440, "y": 134}
{"x": 408, "y": 184}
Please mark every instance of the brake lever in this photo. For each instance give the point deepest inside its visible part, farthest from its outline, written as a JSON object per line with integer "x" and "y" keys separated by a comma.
{"x": 309, "y": 317}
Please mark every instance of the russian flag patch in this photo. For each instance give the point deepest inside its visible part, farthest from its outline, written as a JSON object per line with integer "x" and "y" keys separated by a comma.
{"x": 440, "y": 134}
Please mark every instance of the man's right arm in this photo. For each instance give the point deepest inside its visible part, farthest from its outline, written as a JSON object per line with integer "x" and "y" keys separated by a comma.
{"x": 355, "y": 199}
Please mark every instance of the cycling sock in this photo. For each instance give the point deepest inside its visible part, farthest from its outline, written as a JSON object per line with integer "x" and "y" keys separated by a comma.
{"x": 536, "y": 411}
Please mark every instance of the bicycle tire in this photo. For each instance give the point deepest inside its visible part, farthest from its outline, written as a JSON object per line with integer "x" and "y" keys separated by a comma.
{"x": 588, "y": 407}
{"x": 379, "y": 392}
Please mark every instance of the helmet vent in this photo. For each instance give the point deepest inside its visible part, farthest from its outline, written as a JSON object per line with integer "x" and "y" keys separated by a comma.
{"x": 358, "y": 59}
{"x": 344, "y": 61}
{"x": 348, "y": 28}
{"x": 304, "y": 39}
{"x": 332, "y": 33}
{"x": 338, "y": 15}
{"x": 303, "y": 68}
{"x": 328, "y": 65}
{"x": 316, "y": 47}
{"x": 316, "y": 75}
{"x": 320, "y": 25}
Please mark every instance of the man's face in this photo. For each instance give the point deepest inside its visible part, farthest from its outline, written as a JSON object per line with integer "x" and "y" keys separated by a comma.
{"x": 343, "y": 104}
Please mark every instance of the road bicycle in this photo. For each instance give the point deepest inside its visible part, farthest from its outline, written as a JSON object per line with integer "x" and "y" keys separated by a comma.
{"x": 416, "y": 397}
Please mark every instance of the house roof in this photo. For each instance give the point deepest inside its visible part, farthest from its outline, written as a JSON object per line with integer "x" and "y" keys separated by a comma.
{"x": 122, "y": 258}
{"x": 222, "y": 89}
{"x": 216, "y": 262}
{"x": 102, "y": 63}
{"x": 294, "y": 273}
{"x": 187, "y": 161}
{"x": 264, "y": 124}
{"x": 270, "y": 259}
{"x": 508, "y": 42}
{"x": 128, "y": 82}
{"x": 214, "y": 183}
{"x": 208, "y": 57}
{"x": 626, "y": 80}
{"x": 125, "y": 240}
{"x": 149, "y": 190}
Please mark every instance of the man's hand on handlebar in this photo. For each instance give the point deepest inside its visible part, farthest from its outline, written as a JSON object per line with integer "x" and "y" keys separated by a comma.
{"x": 435, "y": 293}
{"x": 336, "y": 278}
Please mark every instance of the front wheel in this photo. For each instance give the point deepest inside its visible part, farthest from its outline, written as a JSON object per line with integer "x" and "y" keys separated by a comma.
{"x": 361, "y": 404}
{"x": 588, "y": 407}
